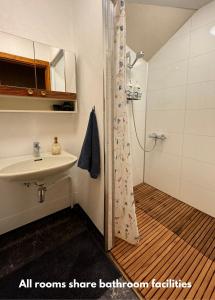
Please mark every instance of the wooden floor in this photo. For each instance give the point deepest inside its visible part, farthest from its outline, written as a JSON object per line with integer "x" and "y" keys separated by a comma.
{"x": 177, "y": 242}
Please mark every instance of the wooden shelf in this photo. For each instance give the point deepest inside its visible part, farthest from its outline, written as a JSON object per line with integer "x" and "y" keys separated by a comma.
{"x": 34, "y": 93}
{"x": 39, "y": 111}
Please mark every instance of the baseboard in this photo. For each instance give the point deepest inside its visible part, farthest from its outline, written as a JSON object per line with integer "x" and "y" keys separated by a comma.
{"x": 32, "y": 214}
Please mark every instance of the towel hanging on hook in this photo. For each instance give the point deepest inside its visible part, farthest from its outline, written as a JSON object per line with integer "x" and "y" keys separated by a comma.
{"x": 90, "y": 153}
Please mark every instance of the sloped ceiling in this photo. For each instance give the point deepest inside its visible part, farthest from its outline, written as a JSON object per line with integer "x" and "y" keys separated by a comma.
{"x": 149, "y": 27}
{"x": 188, "y": 4}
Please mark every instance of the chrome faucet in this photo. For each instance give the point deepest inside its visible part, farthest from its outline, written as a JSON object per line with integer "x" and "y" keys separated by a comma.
{"x": 36, "y": 149}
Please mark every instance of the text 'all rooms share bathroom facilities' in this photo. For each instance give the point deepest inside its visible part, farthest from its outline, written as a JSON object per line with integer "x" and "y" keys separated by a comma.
{"x": 169, "y": 283}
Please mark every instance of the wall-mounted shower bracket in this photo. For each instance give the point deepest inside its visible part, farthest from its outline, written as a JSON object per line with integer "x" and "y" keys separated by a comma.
{"x": 156, "y": 136}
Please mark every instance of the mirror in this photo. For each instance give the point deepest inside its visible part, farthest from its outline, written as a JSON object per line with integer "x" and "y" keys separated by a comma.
{"x": 55, "y": 68}
{"x": 30, "y": 68}
{"x": 17, "y": 67}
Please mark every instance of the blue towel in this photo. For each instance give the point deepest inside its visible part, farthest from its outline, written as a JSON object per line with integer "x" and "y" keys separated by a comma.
{"x": 90, "y": 153}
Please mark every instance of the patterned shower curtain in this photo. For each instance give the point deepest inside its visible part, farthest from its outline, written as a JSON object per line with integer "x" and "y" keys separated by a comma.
{"x": 125, "y": 216}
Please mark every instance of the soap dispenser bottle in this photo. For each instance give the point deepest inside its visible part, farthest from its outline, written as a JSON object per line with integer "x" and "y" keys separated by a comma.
{"x": 56, "y": 147}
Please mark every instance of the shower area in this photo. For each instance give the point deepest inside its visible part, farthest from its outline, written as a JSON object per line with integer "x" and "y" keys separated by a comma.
{"x": 170, "y": 98}
{"x": 170, "y": 70}
{"x": 142, "y": 142}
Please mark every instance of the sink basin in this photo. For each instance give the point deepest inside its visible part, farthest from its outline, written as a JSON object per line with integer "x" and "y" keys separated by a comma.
{"x": 28, "y": 168}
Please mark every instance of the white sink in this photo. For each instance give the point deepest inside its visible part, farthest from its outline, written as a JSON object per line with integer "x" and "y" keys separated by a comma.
{"x": 28, "y": 168}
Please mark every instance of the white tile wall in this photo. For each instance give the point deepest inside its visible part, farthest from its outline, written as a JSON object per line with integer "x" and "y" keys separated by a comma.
{"x": 202, "y": 67}
{"x": 204, "y": 15}
{"x": 197, "y": 196}
{"x": 200, "y": 122}
{"x": 170, "y": 121}
{"x": 167, "y": 99}
{"x": 199, "y": 173}
{"x": 201, "y": 95}
{"x": 163, "y": 172}
{"x": 207, "y": 40}
{"x": 170, "y": 75}
{"x": 181, "y": 104}
{"x": 198, "y": 147}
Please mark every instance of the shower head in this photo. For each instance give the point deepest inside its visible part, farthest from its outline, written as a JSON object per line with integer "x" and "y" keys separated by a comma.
{"x": 138, "y": 56}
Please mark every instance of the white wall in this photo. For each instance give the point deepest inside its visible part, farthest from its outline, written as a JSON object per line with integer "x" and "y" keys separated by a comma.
{"x": 137, "y": 75}
{"x": 46, "y": 21}
{"x": 52, "y": 22}
{"x": 88, "y": 32}
{"x": 181, "y": 104}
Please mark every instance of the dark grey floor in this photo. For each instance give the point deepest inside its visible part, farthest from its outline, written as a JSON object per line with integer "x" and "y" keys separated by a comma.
{"x": 119, "y": 293}
{"x": 58, "y": 248}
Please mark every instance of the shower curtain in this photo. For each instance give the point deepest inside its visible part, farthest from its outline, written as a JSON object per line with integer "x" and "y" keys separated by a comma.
{"x": 124, "y": 213}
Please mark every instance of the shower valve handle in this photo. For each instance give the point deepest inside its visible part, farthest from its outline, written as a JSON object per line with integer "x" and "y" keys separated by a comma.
{"x": 156, "y": 136}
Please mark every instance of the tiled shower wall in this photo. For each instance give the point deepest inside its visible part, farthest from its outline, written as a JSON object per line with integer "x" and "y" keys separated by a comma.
{"x": 181, "y": 104}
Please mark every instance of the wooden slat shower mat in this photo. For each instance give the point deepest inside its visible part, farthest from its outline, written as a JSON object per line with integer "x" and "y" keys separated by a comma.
{"x": 177, "y": 242}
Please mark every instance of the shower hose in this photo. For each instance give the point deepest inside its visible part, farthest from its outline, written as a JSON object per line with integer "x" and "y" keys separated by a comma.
{"x": 136, "y": 134}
